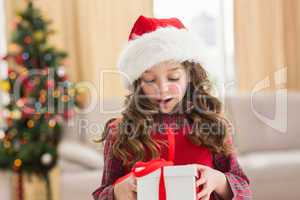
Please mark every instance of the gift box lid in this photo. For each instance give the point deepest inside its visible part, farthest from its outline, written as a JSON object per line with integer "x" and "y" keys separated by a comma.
{"x": 189, "y": 170}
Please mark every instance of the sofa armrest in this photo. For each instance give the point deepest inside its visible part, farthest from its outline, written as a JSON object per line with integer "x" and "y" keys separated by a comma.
{"x": 80, "y": 154}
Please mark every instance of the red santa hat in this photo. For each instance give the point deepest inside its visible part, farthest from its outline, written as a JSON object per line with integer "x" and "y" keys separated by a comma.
{"x": 153, "y": 40}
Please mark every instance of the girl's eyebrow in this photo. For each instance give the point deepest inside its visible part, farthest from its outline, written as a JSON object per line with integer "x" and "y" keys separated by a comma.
{"x": 172, "y": 69}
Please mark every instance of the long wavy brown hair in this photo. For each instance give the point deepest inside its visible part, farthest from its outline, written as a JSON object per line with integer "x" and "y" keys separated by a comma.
{"x": 134, "y": 139}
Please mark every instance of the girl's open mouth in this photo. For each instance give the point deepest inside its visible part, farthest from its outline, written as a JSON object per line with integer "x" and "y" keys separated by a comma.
{"x": 164, "y": 101}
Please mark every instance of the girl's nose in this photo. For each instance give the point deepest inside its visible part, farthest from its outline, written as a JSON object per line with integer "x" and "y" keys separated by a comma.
{"x": 163, "y": 87}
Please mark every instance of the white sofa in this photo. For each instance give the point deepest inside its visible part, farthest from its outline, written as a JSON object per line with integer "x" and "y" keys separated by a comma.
{"x": 271, "y": 159}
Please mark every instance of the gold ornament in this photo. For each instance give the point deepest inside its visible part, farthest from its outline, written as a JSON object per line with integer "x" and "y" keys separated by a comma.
{"x": 30, "y": 124}
{"x": 18, "y": 162}
{"x": 7, "y": 144}
{"x": 52, "y": 123}
{"x": 5, "y": 85}
{"x": 38, "y": 35}
{"x": 56, "y": 93}
{"x": 12, "y": 75}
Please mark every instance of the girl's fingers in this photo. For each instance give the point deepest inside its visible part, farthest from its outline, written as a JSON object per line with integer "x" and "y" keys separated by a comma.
{"x": 133, "y": 187}
{"x": 201, "y": 167}
{"x": 134, "y": 180}
{"x": 201, "y": 181}
{"x": 134, "y": 196}
{"x": 206, "y": 197}
{"x": 203, "y": 192}
{"x": 131, "y": 196}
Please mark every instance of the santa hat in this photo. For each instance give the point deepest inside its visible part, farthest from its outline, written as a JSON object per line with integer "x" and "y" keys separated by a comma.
{"x": 153, "y": 40}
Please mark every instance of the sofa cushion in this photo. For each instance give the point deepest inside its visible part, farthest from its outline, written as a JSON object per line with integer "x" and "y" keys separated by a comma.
{"x": 272, "y": 166}
{"x": 255, "y": 124}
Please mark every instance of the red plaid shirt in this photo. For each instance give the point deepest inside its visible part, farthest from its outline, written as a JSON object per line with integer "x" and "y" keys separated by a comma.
{"x": 113, "y": 169}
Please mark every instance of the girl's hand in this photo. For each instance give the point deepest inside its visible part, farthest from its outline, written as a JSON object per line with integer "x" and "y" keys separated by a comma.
{"x": 210, "y": 180}
{"x": 126, "y": 190}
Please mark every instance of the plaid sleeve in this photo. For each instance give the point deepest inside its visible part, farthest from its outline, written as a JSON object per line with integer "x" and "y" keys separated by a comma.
{"x": 112, "y": 170}
{"x": 237, "y": 179}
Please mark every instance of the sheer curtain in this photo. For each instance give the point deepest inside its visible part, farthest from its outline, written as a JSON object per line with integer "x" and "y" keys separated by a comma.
{"x": 213, "y": 22}
{"x": 267, "y": 44}
{"x": 3, "y": 67}
{"x": 2, "y": 40}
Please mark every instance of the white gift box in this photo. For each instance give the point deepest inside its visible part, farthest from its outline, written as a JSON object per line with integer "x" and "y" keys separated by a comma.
{"x": 180, "y": 183}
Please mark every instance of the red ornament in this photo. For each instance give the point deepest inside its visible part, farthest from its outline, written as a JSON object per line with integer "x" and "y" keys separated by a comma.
{"x": 19, "y": 59}
{"x": 29, "y": 86}
{"x": 50, "y": 84}
{"x": 68, "y": 114}
{"x": 47, "y": 115}
{"x": 27, "y": 111}
{"x": 27, "y": 40}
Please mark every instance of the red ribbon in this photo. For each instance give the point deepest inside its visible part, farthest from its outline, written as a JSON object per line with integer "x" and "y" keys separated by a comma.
{"x": 152, "y": 165}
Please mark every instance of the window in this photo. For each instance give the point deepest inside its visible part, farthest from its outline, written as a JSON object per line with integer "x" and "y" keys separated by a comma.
{"x": 213, "y": 22}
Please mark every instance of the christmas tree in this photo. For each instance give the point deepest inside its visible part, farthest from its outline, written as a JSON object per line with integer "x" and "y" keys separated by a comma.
{"x": 40, "y": 97}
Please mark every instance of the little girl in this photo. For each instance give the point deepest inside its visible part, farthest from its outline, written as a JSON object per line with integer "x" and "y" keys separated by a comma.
{"x": 169, "y": 89}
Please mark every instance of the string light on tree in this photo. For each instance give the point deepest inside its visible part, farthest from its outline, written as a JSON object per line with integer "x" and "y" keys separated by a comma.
{"x": 4, "y": 99}
{"x": 2, "y": 134}
{"x": 46, "y": 159}
{"x": 61, "y": 72}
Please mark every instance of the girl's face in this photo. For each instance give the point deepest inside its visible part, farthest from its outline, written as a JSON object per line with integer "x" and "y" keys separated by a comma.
{"x": 165, "y": 84}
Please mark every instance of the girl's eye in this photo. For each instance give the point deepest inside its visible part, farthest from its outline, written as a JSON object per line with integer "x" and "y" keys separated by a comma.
{"x": 149, "y": 81}
{"x": 173, "y": 79}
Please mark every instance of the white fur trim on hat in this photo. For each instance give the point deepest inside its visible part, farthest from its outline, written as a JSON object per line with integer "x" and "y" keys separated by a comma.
{"x": 163, "y": 44}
